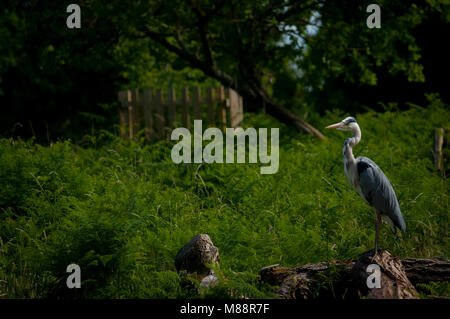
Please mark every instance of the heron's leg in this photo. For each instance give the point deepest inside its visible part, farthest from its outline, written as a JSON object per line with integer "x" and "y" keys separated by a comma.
{"x": 377, "y": 230}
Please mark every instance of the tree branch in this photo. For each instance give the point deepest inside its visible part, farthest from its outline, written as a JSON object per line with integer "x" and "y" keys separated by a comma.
{"x": 182, "y": 52}
{"x": 251, "y": 89}
{"x": 201, "y": 24}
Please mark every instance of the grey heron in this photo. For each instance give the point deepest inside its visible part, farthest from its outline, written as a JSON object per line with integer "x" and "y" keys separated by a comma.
{"x": 369, "y": 181}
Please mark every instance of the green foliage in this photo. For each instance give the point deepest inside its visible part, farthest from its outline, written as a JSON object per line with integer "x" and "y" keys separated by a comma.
{"x": 61, "y": 82}
{"x": 434, "y": 290}
{"x": 122, "y": 210}
{"x": 346, "y": 65}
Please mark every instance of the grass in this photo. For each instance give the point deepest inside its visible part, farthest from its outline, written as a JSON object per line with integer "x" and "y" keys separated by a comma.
{"x": 122, "y": 210}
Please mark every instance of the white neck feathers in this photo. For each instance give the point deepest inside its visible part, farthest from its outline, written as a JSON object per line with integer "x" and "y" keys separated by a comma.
{"x": 350, "y": 142}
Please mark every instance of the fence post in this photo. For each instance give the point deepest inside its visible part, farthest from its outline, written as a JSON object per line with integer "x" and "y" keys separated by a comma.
{"x": 147, "y": 101}
{"x": 197, "y": 101}
{"x": 136, "y": 111}
{"x": 159, "y": 114}
{"x": 210, "y": 106}
{"x": 221, "y": 108}
{"x": 240, "y": 110}
{"x": 185, "y": 108}
{"x": 171, "y": 107}
{"x": 147, "y": 108}
{"x": 438, "y": 143}
{"x": 123, "y": 114}
{"x": 235, "y": 109}
{"x": 129, "y": 100}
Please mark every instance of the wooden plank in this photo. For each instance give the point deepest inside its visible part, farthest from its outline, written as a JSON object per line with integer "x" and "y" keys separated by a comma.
{"x": 148, "y": 114}
{"x": 123, "y": 114}
{"x": 234, "y": 106}
{"x": 438, "y": 143}
{"x": 171, "y": 107}
{"x": 210, "y": 106}
{"x": 159, "y": 113}
{"x": 185, "y": 100}
{"x": 128, "y": 99}
{"x": 197, "y": 101}
{"x": 136, "y": 114}
{"x": 221, "y": 108}
{"x": 240, "y": 111}
{"x": 236, "y": 109}
{"x": 146, "y": 109}
{"x": 227, "y": 97}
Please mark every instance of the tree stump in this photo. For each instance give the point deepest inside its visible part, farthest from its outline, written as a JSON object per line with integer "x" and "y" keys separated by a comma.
{"x": 194, "y": 257}
{"x": 393, "y": 283}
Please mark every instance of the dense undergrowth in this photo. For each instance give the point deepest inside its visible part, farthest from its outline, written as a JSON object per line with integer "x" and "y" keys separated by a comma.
{"x": 122, "y": 210}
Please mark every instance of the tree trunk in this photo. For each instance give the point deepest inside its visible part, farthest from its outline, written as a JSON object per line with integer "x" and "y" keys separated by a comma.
{"x": 348, "y": 279}
{"x": 393, "y": 282}
{"x": 256, "y": 95}
{"x": 274, "y": 109}
{"x": 287, "y": 117}
{"x": 277, "y": 111}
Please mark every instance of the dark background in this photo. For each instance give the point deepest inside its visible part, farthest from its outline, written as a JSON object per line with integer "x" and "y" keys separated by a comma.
{"x": 57, "y": 82}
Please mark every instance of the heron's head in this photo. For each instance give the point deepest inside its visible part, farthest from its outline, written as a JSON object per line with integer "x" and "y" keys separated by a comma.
{"x": 347, "y": 124}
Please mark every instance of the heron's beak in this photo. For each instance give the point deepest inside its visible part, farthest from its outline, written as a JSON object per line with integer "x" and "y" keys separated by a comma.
{"x": 337, "y": 125}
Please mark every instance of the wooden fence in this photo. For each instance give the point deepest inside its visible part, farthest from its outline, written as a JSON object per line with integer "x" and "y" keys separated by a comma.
{"x": 159, "y": 111}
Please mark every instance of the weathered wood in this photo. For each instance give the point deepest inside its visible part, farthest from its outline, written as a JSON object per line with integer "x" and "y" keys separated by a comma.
{"x": 149, "y": 109}
{"x": 196, "y": 258}
{"x": 394, "y": 283}
{"x": 438, "y": 143}
{"x": 159, "y": 114}
{"x": 136, "y": 111}
{"x": 148, "y": 114}
{"x": 210, "y": 106}
{"x": 232, "y": 103}
{"x": 240, "y": 114}
{"x": 347, "y": 279}
{"x": 235, "y": 108}
{"x": 221, "y": 108}
{"x": 305, "y": 282}
{"x": 185, "y": 101}
{"x": 129, "y": 99}
{"x": 197, "y": 100}
{"x": 171, "y": 107}
{"x": 124, "y": 114}
{"x": 424, "y": 270}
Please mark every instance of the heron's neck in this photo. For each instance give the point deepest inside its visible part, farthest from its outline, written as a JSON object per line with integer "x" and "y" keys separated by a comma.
{"x": 349, "y": 143}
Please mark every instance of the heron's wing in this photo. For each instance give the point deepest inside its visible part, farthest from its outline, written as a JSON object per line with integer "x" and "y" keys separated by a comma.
{"x": 378, "y": 191}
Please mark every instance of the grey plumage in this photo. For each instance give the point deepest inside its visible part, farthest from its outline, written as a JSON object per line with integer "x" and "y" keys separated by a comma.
{"x": 378, "y": 192}
{"x": 369, "y": 181}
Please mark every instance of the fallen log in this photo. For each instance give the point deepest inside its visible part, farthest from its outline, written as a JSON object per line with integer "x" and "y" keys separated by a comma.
{"x": 425, "y": 270}
{"x": 348, "y": 279}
